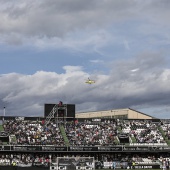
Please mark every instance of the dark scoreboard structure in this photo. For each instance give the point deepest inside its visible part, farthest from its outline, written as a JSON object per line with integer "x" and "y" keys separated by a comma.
{"x": 59, "y": 110}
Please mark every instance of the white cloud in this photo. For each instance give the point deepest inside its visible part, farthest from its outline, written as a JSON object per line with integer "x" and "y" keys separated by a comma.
{"x": 96, "y": 61}
{"x": 26, "y": 94}
{"x": 134, "y": 70}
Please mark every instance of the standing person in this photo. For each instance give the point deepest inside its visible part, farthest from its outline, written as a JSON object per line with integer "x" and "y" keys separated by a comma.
{"x": 167, "y": 164}
{"x": 130, "y": 164}
{"x": 133, "y": 165}
{"x": 114, "y": 165}
{"x": 164, "y": 164}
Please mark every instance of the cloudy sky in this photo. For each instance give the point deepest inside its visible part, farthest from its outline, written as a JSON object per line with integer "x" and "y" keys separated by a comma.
{"x": 49, "y": 48}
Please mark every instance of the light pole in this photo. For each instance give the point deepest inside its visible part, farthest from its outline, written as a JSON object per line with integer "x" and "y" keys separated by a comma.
{"x": 4, "y": 114}
{"x": 4, "y": 111}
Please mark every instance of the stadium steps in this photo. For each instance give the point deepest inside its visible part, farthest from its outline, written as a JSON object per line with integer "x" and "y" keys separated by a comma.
{"x": 133, "y": 140}
{"x": 163, "y": 135}
{"x": 1, "y": 128}
{"x": 117, "y": 141}
{"x": 63, "y": 133}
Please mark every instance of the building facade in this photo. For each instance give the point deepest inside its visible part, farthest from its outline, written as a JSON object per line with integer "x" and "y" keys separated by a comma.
{"x": 117, "y": 114}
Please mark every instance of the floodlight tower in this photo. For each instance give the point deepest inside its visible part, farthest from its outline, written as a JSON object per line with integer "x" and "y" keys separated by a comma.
{"x": 4, "y": 111}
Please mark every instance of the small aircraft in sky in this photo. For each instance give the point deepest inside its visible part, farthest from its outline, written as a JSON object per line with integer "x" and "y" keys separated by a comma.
{"x": 89, "y": 81}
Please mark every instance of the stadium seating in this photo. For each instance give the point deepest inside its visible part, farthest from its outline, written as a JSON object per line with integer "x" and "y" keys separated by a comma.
{"x": 84, "y": 133}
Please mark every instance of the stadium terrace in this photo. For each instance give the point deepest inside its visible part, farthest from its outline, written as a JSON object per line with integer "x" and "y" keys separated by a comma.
{"x": 63, "y": 139}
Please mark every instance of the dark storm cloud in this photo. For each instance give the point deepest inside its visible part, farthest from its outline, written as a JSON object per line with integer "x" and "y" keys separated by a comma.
{"x": 139, "y": 81}
{"x": 57, "y": 18}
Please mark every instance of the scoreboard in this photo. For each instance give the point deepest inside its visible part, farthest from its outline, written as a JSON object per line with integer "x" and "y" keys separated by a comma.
{"x": 60, "y": 110}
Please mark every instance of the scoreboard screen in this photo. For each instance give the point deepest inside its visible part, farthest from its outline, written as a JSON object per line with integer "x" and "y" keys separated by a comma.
{"x": 64, "y": 110}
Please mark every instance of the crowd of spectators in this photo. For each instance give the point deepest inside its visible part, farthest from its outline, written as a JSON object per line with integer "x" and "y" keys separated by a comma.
{"x": 86, "y": 133}
{"x": 165, "y": 125}
{"x": 34, "y": 133}
{"x": 24, "y": 159}
{"x": 144, "y": 132}
{"x": 107, "y": 133}
{"x": 91, "y": 133}
{"x": 123, "y": 159}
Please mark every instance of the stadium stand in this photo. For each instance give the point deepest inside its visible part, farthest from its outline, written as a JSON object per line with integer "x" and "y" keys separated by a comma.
{"x": 130, "y": 143}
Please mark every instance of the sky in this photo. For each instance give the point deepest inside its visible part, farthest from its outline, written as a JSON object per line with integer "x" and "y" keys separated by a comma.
{"x": 49, "y": 48}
